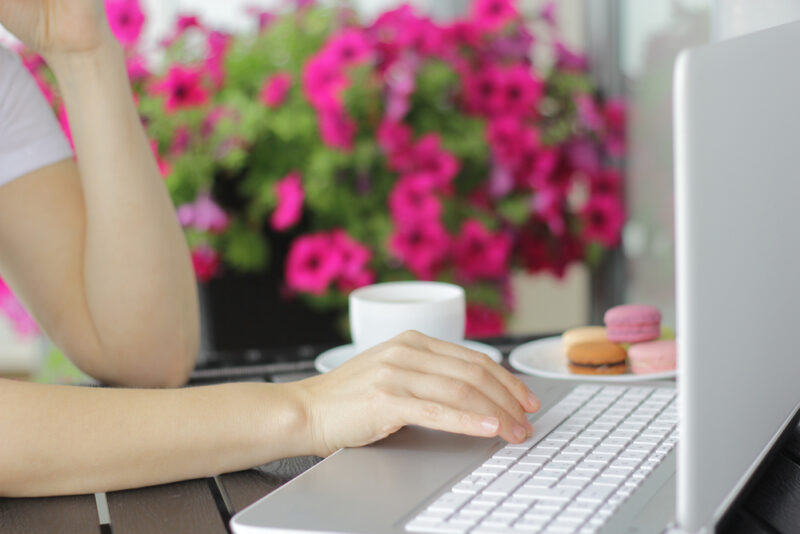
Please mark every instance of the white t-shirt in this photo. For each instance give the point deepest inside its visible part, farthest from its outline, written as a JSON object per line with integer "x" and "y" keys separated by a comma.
{"x": 30, "y": 136}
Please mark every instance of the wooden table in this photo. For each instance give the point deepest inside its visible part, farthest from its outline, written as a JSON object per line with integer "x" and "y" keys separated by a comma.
{"x": 204, "y": 506}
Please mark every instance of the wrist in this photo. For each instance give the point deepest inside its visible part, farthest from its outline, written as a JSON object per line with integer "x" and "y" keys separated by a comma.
{"x": 86, "y": 64}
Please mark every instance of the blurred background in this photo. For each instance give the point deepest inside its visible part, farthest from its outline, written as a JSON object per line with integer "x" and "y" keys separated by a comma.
{"x": 519, "y": 148}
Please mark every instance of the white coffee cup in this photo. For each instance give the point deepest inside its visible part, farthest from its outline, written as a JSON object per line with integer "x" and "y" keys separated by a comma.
{"x": 381, "y": 311}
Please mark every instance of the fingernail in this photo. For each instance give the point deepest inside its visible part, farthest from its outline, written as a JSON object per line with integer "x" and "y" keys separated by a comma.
{"x": 533, "y": 402}
{"x": 490, "y": 424}
{"x": 519, "y": 432}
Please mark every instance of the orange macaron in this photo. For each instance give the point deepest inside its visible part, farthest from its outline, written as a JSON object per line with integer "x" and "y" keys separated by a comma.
{"x": 597, "y": 358}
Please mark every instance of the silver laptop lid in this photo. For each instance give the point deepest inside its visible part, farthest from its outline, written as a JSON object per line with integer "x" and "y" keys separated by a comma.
{"x": 737, "y": 152}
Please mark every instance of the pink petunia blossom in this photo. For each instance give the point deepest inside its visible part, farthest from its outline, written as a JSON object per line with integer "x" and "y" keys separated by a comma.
{"x": 163, "y": 166}
{"x": 206, "y": 263}
{"x": 588, "y": 113}
{"x": 511, "y": 140}
{"x": 549, "y": 169}
{"x": 615, "y": 115}
{"x": 275, "y": 88}
{"x": 126, "y": 20}
{"x": 137, "y": 68}
{"x": 63, "y": 121}
{"x": 584, "y": 155}
{"x": 217, "y": 45}
{"x": 548, "y": 204}
{"x": 603, "y": 218}
{"x": 337, "y": 130}
{"x": 347, "y": 47}
{"x": 22, "y": 322}
{"x": 422, "y": 246}
{"x": 400, "y": 84}
{"x": 483, "y": 321}
{"x": 519, "y": 93}
{"x": 203, "y": 215}
{"x": 313, "y": 263}
{"x": 428, "y": 156}
{"x": 481, "y": 254}
{"x": 568, "y": 60}
{"x": 606, "y": 182}
{"x": 290, "y": 194}
{"x": 183, "y": 87}
{"x": 501, "y": 181}
{"x": 354, "y": 272}
{"x": 539, "y": 252}
{"x": 548, "y": 12}
{"x": 463, "y": 33}
{"x": 180, "y": 141}
{"x": 395, "y": 137}
{"x": 481, "y": 89}
{"x": 512, "y": 47}
{"x": 413, "y": 199}
{"x": 493, "y": 14}
{"x": 323, "y": 82}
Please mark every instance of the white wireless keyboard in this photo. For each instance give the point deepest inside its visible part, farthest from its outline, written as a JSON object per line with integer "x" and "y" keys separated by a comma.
{"x": 600, "y": 444}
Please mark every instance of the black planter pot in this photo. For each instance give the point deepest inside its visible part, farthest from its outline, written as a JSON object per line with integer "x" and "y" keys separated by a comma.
{"x": 246, "y": 311}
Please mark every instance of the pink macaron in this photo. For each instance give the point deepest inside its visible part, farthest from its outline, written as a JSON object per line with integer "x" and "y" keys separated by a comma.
{"x": 652, "y": 356}
{"x": 632, "y": 323}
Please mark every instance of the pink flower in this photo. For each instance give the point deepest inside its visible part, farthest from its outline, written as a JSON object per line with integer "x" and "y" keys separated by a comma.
{"x": 394, "y": 137}
{"x": 400, "y": 82}
{"x": 539, "y": 252}
{"x": 347, "y": 47}
{"x": 511, "y": 140}
{"x": 603, "y": 218}
{"x": 183, "y": 87}
{"x": 548, "y": 12}
{"x": 584, "y": 155}
{"x": 126, "y": 20}
{"x": 180, "y": 141}
{"x": 549, "y": 170}
{"x": 206, "y": 262}
{"x": 427, "y": 156}
{"x": 275, "y": 89}
{"x": 422, "y": 246}
{"x": 480, "y": 254}
{"x": 615, "y": 115}
{"x": 137, "y": 68}
{"x": 313, "y": 263}
{"x": 337, "y": 129}
{"x": 23, "y": 323}
{"x": 264, "y": 18}
{"x": 463, "y": 33}
{"x": 569, "y": 60}
{"x": 203, "y": 215}
{"x": 186, "y": 22}
{"x": 413, "y": 199}
{"x": 290, "y": 195}
{"x": 493, "y": 14}
{"x": 501, "y": 182}
{"x": 520, "y": 92}
{"x": 323, "y": 82}
{"x": 481, "y": 89}
{"x": 163, "y": 166}
{"x": 217, "y": 45}
{"x": 63, "y": 120}
{"x": 588, "y": 112}
{"x": 548, "y": 204}
{"x": 483, "y": 321}
{"x": 355, "y": 258}
{"x": 606, "y": 182}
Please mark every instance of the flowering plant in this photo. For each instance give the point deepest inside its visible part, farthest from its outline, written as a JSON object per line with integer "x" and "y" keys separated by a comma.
{"x": 399, "y": 149}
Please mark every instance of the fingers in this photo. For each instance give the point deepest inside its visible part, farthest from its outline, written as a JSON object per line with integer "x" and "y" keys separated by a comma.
{"x": 437, "y": 416}
{"x": 455, "y": 393}
{"x": 469, "y": 376}
{"x": 513, "y": 384}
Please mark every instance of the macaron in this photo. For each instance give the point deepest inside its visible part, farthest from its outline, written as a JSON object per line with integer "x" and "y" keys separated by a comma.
{"x": 652, "y": 356}
{"x": 596, "y": 358}
{"x": 632, "y": 323}
{"x": 583, "y": 334}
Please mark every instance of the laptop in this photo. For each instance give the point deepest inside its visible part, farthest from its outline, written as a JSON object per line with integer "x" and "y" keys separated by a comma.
{"x": 616, "y": 458}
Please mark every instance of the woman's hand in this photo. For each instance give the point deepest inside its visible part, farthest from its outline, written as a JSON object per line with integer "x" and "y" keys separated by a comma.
{"x": 57, "y": 26}
{"x": 415, "y": 379}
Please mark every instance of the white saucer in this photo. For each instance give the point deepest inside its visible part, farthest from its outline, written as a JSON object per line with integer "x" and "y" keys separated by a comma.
{"x": 545, "y": 358}
{"x": 333, "y": 358}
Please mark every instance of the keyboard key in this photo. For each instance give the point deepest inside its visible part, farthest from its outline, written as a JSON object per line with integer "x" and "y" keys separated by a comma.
{"x": 595, "y": 493}
{"x": 548, "y": 494}
{"x": 509, "y": 453}
{"x": 506, "y": 483}
{"x": 450, "y": 502}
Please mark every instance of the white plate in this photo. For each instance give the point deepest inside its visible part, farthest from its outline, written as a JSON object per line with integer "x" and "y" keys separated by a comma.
{"x": 546, "y": 358}
{"x": 333, "y": 358}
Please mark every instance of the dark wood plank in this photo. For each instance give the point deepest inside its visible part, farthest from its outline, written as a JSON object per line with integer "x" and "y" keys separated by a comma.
{"x": 246, "y": 487}
{"x": 776, "y": 497}
{"x": 75, "y": 514}
{"x": 182, "y": 507}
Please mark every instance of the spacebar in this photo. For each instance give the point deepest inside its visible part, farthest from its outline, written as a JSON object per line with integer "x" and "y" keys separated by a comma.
{"x": 543, "y": 426}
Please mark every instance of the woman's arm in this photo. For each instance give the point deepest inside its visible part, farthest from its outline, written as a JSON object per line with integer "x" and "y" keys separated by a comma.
{"x": 96, "y": 251}
{"x": 66, "y": 440}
